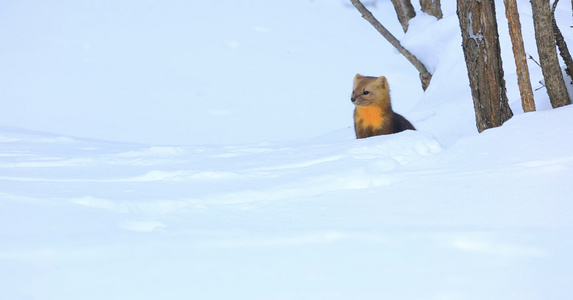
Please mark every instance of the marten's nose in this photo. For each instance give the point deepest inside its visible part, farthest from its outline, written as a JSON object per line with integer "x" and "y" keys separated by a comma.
{"x": 353, "y": 100}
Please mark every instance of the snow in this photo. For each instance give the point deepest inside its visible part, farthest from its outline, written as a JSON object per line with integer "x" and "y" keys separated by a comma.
{"x": 296, "y": 208}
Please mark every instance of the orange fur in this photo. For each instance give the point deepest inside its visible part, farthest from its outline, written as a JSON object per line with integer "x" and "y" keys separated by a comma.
{"x": 369, "y": 116}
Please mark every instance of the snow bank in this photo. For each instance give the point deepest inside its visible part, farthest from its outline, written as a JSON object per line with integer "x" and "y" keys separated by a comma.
{"x": 333, "y": 217}
{"x": 438, "y": 213}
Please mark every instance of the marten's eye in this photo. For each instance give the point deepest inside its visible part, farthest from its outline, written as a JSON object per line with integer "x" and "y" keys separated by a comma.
{"x": 366, "y": 92}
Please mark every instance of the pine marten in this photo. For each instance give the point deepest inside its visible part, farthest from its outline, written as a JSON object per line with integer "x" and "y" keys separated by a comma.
{"x": 373, "y": 114}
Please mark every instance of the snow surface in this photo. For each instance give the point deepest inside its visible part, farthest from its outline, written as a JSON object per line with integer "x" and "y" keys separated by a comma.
{"x": 197, "y": 200}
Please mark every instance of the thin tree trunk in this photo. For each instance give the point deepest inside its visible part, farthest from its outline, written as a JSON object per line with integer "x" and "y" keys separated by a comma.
{"x": 548, "y": 59}
{"x": 523, "y": 80}
{"x": 480, "y": 43}
{"x": 562, "y": 45}
{"x": 425, "y": 76}
{"x": 405, "y": 12}
{"x": 433, "y": 8}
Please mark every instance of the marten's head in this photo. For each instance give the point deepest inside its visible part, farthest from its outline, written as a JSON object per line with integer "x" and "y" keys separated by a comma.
{"x": 369, "y": 90}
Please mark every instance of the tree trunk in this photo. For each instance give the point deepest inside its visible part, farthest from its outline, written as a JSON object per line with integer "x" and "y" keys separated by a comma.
{"x": 543, "y": 24}
{"x": 480, "y": 43}
{"x": 523, "y": 80}
{"x": 433, "y": 8}
{"x": 405, "y": 12}
{"x": 562, "y": 45}
{"x": 425, "y": 76}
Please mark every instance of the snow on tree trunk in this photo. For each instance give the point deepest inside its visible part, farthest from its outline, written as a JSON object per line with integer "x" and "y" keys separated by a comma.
{"x": 481, "y": 48}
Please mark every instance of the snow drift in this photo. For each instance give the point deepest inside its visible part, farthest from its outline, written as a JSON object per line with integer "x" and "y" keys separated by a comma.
{"x": 438, "y": 213}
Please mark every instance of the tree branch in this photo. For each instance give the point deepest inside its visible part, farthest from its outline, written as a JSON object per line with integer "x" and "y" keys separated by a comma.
{"x": 425, "y": 76}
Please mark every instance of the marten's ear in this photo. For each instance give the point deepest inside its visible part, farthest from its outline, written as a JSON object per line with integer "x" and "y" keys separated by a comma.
{"x": 357, "y": 78}
{"x": 382, "y": 82}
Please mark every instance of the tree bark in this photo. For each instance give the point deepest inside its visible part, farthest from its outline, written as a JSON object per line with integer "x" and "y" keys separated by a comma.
{"x": 425, "y": 76}
{"x": 523, "y": 80}
{"x": 405, "y": 12}
{"x": 433, "y": 8}
{"x": 480, "y": 43}
{"x": 562, "y": 45}
{"x": 544, "y": 36}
